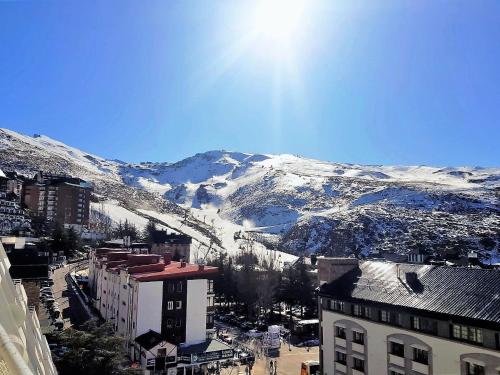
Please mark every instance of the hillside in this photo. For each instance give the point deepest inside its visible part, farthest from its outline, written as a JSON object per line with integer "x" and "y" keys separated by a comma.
{"x": 285, "y": 202}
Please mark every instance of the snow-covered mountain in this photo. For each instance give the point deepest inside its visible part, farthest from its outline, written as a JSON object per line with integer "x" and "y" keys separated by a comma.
{"x": 285, "y": 202}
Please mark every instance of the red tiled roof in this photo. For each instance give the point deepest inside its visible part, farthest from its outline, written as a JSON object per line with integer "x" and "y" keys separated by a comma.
{"x": 174, "y": 270}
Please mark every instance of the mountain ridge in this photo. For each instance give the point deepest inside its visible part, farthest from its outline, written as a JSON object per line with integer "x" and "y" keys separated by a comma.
{"x": 291, "y": 203}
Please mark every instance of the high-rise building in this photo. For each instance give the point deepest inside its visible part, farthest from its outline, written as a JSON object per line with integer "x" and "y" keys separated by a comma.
{"x": 59, "y": 199}
{"x": 393, "y": 319}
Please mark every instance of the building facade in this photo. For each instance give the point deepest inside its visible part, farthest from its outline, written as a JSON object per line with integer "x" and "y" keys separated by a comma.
{"x": 386, "y": 318}
{"x": 12, "y": 216}
{"x": 23, "y": 348}
{"x": 149, "y": 294}
{"x": 59, "y": 199}
{"x": 178, "y": 245}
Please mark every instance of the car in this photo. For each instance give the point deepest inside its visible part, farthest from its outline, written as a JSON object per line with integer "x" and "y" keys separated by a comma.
{"x": 49, "y": 302}
{"x": 56, "y": 313}
{"x": 45, "y": 288}
{"x": 254, "y": 333}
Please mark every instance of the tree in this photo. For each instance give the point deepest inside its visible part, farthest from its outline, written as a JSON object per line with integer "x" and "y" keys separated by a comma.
{"x": 93, "y": 350}
{"x": 148, "y": 231}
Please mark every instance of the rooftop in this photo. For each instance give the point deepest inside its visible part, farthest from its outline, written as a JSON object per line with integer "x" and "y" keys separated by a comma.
{"x": 471, "y": 293}
{"x": 175, "y": 270}
{"x": 149, "y": 339}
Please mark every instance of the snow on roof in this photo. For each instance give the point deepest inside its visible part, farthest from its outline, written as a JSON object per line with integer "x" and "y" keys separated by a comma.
{"x": 2, "y": 174}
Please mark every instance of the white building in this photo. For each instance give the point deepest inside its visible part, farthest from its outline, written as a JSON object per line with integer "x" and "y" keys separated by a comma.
{"x": 394, "y": 319}
{"x": 23, "y": 348}
{"x": 162, "y": 308}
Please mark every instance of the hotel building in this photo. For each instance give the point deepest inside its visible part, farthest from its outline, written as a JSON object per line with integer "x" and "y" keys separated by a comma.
{"x": 381, "y": 318}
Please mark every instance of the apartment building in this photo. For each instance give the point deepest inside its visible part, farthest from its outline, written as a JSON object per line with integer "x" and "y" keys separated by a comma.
{"x": 59, "y": 199}
{"x": 155, "y": 303}
{"x": 178, "y": 245}
{"x": 12, "y": 216}
{"x": 23, "y": 348}
{"x": 393, "y": 319}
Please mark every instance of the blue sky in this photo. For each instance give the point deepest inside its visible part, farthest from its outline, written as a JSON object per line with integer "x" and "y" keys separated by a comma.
{"x": 374, "y": 82}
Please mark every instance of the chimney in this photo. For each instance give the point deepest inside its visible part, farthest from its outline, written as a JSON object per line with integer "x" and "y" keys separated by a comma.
{"x": 183, "y": 264}
{"x": 331, "y": 269}
{"x": 167, "y": 258}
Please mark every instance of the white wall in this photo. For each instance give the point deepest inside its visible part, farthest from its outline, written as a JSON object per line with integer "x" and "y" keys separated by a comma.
{"x": 149, "y": 303}
{"x": 445, "y": 353}
{"x": 196, "y": 311}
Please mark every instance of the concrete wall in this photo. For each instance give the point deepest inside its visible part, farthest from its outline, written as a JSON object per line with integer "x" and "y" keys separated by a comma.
{"x": 196, "y": 311}
{"x": 149, "y": 304}
{"x": 446, "y": 354}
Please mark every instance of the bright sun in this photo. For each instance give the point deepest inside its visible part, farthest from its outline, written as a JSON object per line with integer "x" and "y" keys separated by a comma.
{"x": 277, "y": 21}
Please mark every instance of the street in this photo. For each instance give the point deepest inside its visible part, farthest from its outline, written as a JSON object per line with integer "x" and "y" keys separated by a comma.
{"x": 73, "y": 313}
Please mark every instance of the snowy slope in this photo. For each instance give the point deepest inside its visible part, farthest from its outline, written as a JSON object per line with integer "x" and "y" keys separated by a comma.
{"x": 286, "y": 202}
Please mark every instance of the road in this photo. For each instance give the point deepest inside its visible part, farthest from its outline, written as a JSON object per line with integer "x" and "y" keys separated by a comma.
{"x": 73, "y": 313}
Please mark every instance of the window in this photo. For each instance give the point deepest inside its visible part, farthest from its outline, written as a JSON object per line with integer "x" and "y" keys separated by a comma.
{"x": 358, "y": 337}
{"x": 358, "y": 364}
{"x": 421, "y": 356}
{"x": 178, "y": 322}
{"x": 124, "y": 286}
{"x": 179, "y": 286}
{"x": 385, "y": 316}
{"x": 337, "y": 305}
{"x": 356, "y": 310}
{"x": 424, "y": 325}
{"x": 340, "y": 357}
{"x": 162, "y": 352}
{"x": 340, "y": 332}
{"x": 210, "y": 319}
{"x": 171, "y": 287}
{"x": 123, "y": 303}
{"x": 465, "y": 333}
{"x": 178, "y": 305}
{"x": 210, "y": 288}
{"x": 473, "y": 369}
{"x": 170, "y": 323}
{"x": 397, "y": 349}
{"x": 123, "y": 320}
{"x": 170, "y": 305}
{"x": 210, "y": 301}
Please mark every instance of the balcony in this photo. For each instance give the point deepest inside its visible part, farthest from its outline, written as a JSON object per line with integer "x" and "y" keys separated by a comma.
{"x": 340, "y": 342}
{"x": 420, "y": 367}
{"x": 396, "y": 360}
{"x": 340, "y": 367}
{"x": 359, "y": 348}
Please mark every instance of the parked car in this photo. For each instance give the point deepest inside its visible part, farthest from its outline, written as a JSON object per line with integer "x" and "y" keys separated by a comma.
{"x": 254, "y": 333}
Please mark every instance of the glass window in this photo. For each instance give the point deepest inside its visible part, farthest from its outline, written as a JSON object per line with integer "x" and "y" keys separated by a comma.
{"x": 170, "y": 323}
{"x": 337, "y": 305}
{"x": 466, "y": 333}
{"x": 397, "y": 349}
{"x": 385, "y": 316}
{"x": 178, "y": 322}
{"x": 179, "y": 286}
{"x": 170, "y": 305}
{"x": 340, "y": 332}
{"x": 162, "y": 352}
{"x": 340, "y": 357}
{"x": 358, "y": 364}
{"x": 358, "y": 337}
{"x": 473, "y": 369}
{"x": 421, "y": 356}
{"x": 356, "y": 310}
{"x": 178, "y": 305}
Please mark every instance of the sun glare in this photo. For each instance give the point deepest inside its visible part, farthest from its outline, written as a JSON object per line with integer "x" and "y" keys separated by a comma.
{"x": 277, "y": 21}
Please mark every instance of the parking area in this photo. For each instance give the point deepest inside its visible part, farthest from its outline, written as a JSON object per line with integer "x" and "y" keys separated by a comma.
{"x": 64, "y": 294}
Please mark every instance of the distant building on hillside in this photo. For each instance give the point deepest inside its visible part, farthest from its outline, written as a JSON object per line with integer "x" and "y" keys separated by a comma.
{"x": 59, "y": 199}
{"x": 177, "y": 244}
{"x": 386, "y": 318}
